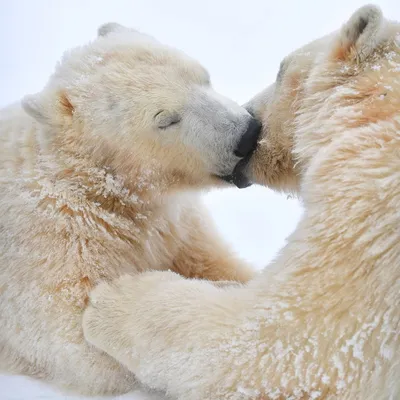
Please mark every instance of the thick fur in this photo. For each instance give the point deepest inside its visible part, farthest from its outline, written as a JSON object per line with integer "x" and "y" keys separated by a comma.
{"x": 323, "y": 321}
{"x": 100, "y": 176}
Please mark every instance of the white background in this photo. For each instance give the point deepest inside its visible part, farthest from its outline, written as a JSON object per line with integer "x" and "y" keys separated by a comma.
{"x": 240, "y": 42}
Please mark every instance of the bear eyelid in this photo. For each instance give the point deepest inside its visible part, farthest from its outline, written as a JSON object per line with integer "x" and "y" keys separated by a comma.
{"x": 165, "y": 119}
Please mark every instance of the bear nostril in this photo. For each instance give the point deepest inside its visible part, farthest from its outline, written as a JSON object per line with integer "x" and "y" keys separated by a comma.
{"x": 248, "y": 142}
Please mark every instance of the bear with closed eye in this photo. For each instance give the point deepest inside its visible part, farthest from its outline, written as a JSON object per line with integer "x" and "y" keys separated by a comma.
{"x": 323, "y": 321}
{"x": 101, "y": 174}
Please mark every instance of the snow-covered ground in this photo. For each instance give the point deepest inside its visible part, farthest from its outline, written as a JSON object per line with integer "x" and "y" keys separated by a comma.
{"x": 240, "y": 42}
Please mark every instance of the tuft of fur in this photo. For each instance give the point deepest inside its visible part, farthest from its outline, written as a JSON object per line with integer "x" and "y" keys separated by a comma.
{"x": 322, "y": 322}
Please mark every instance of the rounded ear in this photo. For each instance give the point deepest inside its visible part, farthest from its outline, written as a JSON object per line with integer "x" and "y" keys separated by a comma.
{"x": 32, "y": 104}
{"x": 110, "y": 27}
{"x": 113, "y": 27}
{"x": 361, "y": 34}
{"x": 48, "y": 110}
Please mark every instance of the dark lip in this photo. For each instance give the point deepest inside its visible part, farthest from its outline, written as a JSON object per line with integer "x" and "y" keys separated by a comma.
{"x": 238, "y": 177}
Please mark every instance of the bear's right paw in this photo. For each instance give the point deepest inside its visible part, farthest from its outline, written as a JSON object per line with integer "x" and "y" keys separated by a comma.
{"x": 104, "y": 315}
{"x": 118, "y": 311}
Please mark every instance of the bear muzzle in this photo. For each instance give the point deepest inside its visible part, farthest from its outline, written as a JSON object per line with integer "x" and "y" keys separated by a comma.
{"x": 244, "y": 149}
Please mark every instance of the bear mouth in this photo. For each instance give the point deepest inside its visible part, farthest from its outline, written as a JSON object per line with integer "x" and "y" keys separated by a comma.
{"x": 238, "y": 177}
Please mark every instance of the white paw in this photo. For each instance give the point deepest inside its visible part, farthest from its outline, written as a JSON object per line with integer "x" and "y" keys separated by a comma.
{"x": 102, "y": 316}
{"x": 116, "y": 310}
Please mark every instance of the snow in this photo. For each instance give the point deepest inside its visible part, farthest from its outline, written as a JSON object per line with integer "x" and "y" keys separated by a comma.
{"x": 22, "y": 388}
{"x": 241, "y": 43}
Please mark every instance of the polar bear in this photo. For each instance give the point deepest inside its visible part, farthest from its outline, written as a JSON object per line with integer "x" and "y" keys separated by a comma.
{"x": 323, "y": 321}
{"x": 101, "y": 175}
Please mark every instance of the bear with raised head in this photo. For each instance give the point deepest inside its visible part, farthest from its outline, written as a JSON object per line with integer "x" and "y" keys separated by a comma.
{"x": 101, "y": 176}
{"x": 322, "y": 322}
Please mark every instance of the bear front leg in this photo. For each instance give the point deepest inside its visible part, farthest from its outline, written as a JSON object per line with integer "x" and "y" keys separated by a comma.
{"x": 162, "y": 327}
{"x": 204, "y": 255}
{"x": 211, "y": 260}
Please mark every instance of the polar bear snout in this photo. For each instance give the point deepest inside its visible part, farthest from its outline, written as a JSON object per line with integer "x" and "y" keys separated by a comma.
{"x": 248, "y": 142}
{"x": 244, "y": 150}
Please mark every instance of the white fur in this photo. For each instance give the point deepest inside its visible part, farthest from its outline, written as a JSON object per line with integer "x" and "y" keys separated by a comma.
{"x": 100, "y": 176}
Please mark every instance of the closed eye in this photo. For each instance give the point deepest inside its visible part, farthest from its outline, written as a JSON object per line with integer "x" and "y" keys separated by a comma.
{"x": 166, "y": 119}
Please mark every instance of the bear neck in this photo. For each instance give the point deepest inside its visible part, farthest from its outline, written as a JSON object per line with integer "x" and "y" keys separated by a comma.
{"x": 318, "y": 272}
{"x": 128, "y": 175}
{"x": 84, "y": 184}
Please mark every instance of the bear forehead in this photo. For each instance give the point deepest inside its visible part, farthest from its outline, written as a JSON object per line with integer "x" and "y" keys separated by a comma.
{"x": 126, "y": 56}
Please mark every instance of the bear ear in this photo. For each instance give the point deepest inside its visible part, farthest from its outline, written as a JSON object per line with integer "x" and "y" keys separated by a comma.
{"x": 362, "y": 33}
{"x": 32, "y": 104}
{"x": 111, "y": 27}
{"x": 48, "y": 111}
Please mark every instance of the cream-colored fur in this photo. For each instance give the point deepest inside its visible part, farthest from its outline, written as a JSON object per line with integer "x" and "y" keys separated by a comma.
{"x": 323, "y": 321}
{"x": 100, "y": 176}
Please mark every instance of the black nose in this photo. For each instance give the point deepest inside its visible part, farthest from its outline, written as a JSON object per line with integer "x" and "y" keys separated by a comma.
{"x": 248, "y": 142}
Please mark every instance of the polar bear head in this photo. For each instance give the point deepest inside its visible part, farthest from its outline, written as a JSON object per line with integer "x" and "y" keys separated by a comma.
{"x": 145, "y": 111}
{"x": 347, "y": 80}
